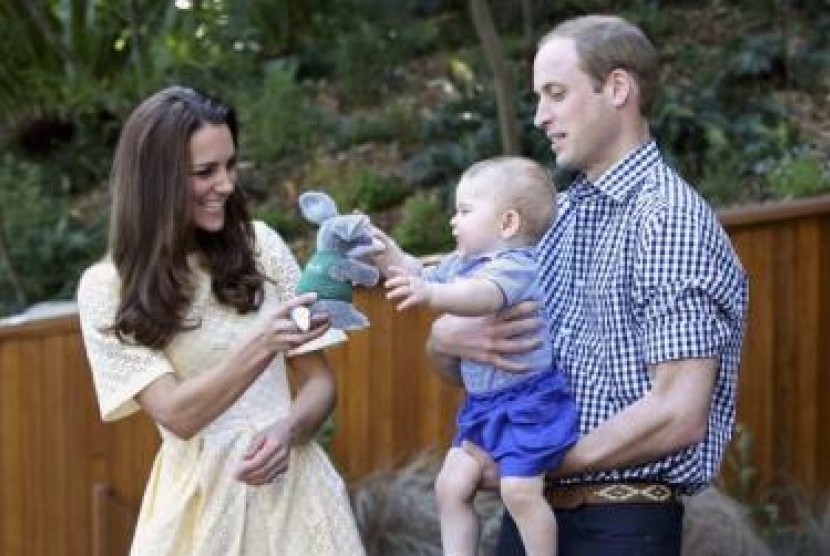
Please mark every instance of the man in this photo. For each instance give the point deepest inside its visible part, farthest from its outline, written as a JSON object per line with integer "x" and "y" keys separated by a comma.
{"x": 646, "y": 299}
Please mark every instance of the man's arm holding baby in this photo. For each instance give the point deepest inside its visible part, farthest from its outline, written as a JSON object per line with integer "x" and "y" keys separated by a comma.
{"x": 489, "y": 339}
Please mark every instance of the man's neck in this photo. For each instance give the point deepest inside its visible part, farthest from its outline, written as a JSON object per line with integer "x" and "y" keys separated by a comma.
{"x": 627, "y": 142}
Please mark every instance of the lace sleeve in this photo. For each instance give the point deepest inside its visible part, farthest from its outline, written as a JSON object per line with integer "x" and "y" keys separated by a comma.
{"x": 277, "y": 260}
{"x": 119, "y": 370}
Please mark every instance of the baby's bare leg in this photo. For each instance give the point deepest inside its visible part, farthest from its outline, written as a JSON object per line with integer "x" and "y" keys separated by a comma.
{"x": 455, "y": 489}
{"x": 525, "y": 500}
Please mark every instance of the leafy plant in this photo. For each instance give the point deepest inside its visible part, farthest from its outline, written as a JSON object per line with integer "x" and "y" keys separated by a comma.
{"x": 424, "y": 225}
{"x": 277, "y": 120}
{"x": 368, "y": 191}
{"x": 799, "y": 176}
{"x": 49, "y": 246}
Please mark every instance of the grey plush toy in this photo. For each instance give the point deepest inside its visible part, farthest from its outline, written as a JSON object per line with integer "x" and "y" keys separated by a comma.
{"x": 334, "y": 268}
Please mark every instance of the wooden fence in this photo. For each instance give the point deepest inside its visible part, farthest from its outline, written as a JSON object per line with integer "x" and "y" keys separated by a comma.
{"x": 70, "y": 484}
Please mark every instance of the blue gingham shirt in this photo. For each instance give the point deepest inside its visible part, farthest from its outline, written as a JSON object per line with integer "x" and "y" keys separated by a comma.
{"x": 637, "y": 270}
{"x": 514, "y": 272}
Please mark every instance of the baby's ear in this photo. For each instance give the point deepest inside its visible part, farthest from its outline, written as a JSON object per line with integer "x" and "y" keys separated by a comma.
{"x": 317, "y": 207}
{"x": 511, "y": 223}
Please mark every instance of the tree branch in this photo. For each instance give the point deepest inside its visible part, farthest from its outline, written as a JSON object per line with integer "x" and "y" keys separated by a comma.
{"x": 494, "y": 53}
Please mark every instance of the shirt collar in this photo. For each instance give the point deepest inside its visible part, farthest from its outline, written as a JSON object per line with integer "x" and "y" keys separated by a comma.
{"x": 621, "y": 179}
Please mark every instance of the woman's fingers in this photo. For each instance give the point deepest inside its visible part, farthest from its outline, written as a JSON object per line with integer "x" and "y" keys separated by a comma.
{"x": 264, "y": 461}
{"x": 286, "y": 307}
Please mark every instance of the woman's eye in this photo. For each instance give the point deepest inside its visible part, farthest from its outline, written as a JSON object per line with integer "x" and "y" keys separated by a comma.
{"x": 203, "y": 172}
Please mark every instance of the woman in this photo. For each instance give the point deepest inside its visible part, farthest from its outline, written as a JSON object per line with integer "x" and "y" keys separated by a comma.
{"x": 187, "y": 318}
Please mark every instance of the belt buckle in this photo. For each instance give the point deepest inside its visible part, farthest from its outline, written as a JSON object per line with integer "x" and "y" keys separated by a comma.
{"x": 633, "y": 492}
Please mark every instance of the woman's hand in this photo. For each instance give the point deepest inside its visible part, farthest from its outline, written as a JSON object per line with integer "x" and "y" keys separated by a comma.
{"x": 267, "y": 456}
{"x": 277, "y": 331}
{"x": 489, "y": 340}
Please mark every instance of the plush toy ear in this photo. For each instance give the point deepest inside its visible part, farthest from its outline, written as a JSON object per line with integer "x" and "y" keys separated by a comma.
{"x": 317, "y": 207}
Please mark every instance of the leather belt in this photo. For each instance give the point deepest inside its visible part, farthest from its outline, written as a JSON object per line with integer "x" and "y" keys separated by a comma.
{"x": 574, "y": 496}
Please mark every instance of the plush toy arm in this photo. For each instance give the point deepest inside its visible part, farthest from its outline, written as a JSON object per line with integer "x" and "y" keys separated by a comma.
{"x": 366, "y": 246}
{"x": 356, "y": 272}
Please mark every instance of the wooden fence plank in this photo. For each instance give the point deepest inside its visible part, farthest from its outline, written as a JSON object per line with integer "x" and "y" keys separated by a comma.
{"x": 756, "y": 403}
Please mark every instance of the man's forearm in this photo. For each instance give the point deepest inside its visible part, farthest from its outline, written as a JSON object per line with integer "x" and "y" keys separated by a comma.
{"x": 670, "y": 417}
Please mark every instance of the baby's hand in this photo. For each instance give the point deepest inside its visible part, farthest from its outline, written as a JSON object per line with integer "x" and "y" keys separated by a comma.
{"x": 391, "y": 255}
{"x": 412, "y": 290}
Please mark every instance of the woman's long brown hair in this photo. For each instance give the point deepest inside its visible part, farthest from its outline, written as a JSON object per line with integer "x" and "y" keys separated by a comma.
{"x": 152, "y": 229}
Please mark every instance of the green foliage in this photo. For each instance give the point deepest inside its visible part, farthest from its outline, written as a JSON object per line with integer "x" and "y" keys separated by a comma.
{"x": 368, "y": 191}
{"x": 396, "y": 122}
{"x": 424, "y": 225}
{"x": 364, "y": 60}
{"x": 48, "y": 246}
{"x": 799, "y": 176}
{"x": 367, "y": 45}
{"x": 457, "y": 134}
{"x": 286, "y": 220}
{"x": 276, "y": 117}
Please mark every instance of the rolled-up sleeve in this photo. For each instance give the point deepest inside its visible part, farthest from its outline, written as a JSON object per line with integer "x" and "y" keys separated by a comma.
{"x": 690, "y": 287}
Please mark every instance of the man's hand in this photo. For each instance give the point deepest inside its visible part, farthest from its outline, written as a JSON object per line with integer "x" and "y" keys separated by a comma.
{"x": 489, "y": 340}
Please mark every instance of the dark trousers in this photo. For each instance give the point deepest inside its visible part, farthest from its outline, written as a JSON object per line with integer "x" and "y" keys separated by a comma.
{"x": 608, "y": 530}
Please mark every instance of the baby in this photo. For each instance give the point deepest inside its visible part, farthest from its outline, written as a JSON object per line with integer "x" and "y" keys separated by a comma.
{"x": 526, "y": 421}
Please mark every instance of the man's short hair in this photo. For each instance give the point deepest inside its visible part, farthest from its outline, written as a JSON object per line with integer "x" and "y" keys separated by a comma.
{"x": 605, "y": 43}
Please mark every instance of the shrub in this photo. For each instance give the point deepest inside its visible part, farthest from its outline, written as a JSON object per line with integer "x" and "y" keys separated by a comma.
{"x": 49, "y": 246}
{"x": 798, "y": 176}
{"x": 276, "y": 119}
{"x": 424, "y": 225}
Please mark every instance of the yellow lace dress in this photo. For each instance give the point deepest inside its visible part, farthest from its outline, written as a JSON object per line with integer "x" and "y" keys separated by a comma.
{"x": 192, "y": 505}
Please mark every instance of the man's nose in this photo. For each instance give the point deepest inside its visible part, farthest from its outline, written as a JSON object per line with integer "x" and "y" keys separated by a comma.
{"x": 541, "y": 117}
